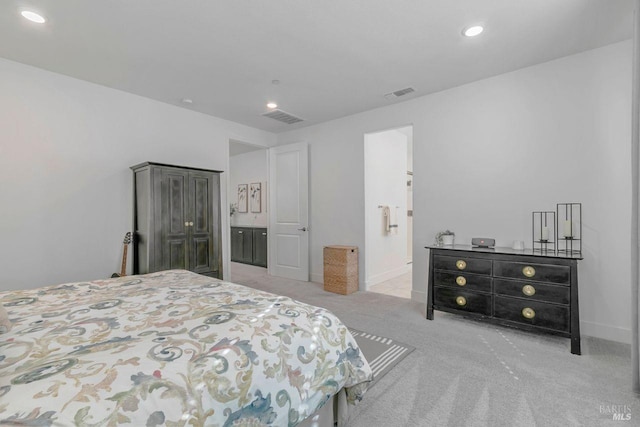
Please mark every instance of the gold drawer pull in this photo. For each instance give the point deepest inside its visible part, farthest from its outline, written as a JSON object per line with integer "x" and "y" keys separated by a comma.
{"x": 461, "y": 281}
{"x": 461, "y": 301}
{"x": 461, "y": 264}
{"x": 529, "y": 271}
{"x": 528, "y": 290}
{"x": 528, "y": 313}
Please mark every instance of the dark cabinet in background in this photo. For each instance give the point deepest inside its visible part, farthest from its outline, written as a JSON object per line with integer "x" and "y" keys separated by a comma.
{"x": 242, "y": 245}
{"x": 176, "y": 219}
{"x": 249, "y": 245}
{"x": 260, "y": 246}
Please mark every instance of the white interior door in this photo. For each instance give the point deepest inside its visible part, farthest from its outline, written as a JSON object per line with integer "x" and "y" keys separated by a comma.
{"x": 289, "y": 217}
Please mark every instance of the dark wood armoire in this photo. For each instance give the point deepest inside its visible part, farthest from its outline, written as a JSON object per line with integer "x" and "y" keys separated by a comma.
{"x": 176, "y": 219}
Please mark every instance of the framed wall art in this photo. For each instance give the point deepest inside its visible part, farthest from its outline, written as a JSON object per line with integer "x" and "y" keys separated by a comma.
{"x": 242, "y": 198}
{"x": 255, "y": 197}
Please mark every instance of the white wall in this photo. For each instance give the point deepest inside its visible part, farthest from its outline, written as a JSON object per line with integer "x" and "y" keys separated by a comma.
{"x": 385, "y": 164}
{"x": 504, "y": 146}
{"x": 489, "y": 153}
{"x": 248, "y": 168}
{"x": 65, "y": 151}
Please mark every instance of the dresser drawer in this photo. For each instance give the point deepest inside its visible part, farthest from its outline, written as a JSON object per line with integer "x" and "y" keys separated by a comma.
{"x": 532, "y": 291}
{"x": 462, "y": 281}
{"x": 538, "y": 272}
{"x": 533, "y": 313}
{"x": 463, "y": 300}
{"x": 468, "y": 265}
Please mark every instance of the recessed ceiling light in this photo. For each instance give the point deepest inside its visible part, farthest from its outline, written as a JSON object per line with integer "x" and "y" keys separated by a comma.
{"x": 473, "y": 30}
{"x": 272, "y": 105}
{"x": 33, "y": 17}
{"x": 187, "y": 101}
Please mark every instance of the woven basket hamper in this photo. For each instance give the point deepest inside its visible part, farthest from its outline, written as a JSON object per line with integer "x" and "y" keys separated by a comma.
{"x": 340, "y": 269}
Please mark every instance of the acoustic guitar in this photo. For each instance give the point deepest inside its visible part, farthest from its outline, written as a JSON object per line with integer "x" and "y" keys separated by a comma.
{"x": 123, "y": 268}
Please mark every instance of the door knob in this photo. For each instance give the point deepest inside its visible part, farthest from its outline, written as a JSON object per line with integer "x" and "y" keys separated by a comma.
{"x": 303, "y": 229}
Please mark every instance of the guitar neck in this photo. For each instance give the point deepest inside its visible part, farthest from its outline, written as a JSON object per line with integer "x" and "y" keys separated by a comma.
{"x": 123, "y": 268}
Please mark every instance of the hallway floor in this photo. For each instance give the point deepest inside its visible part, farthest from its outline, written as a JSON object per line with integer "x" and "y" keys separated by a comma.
{"x": 398, "y": 286}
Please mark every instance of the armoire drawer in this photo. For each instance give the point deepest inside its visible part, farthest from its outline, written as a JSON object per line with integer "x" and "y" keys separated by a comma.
{"x": 557, "y": 294}
{"x": 460, "y": 280}
{"x": 528, "y": 271}
{"x": 463, "y": 300}
{"x": 466, "y": 264}
{"x": 533, "y": 313}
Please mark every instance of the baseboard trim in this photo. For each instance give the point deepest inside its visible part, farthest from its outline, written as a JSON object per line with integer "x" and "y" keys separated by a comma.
{"x": 387, "y": 275}
{"x": 607, "y": 332}
{"x": 418, "y": 296}
{"x": 316, "y": 278}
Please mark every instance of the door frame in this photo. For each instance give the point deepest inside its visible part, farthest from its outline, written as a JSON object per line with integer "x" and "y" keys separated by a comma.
{"x": 367, "y": 205}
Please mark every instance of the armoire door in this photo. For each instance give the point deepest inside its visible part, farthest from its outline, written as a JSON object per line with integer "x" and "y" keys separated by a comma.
{"x": 203, "y": 191}
{"x": 173, "y": 217}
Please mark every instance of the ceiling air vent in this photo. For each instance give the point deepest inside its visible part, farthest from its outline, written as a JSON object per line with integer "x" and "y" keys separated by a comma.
{"x": 399, "y": 93}
{"x": 283, "y": 117}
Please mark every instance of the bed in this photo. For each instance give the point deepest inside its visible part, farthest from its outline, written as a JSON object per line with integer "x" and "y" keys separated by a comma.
{"x": 172, "y": 348}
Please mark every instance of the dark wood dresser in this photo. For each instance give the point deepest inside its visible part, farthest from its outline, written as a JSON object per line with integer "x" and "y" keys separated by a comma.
{"x": 531, "y": 291}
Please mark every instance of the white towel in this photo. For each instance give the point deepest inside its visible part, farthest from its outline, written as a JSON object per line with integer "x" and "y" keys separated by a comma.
{"x": 390, "y": 219}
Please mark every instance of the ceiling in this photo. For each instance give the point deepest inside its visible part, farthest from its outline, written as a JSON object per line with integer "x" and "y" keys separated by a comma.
{"x": 332, "y": 58}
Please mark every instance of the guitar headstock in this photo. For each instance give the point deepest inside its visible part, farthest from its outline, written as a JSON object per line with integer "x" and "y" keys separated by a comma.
{"x": 127, "y": 238}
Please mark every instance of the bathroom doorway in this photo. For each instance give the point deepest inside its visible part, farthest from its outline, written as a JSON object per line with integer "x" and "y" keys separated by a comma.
{"x": 388, "y": 215}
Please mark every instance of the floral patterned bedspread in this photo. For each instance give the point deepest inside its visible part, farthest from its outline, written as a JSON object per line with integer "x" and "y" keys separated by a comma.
{"x": 172, "y": 348}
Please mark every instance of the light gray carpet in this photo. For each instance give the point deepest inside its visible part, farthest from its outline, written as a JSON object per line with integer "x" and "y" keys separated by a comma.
{"x": 467, "y": 373}
{"x": 382, "y": 353}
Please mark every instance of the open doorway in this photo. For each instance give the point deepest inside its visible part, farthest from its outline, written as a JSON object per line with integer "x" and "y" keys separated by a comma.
{"x": 388, "y": 211}
{"x": 268, "y": 197}
{"x": 247, "y": 197}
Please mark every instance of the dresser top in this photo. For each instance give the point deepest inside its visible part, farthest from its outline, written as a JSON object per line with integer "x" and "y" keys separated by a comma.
{"x": 508, "y": 251}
